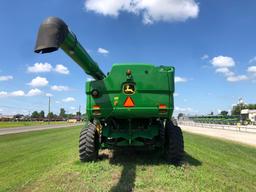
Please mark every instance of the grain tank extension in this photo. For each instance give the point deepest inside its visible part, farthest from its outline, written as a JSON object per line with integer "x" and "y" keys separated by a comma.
{"x": 132, "y": 106}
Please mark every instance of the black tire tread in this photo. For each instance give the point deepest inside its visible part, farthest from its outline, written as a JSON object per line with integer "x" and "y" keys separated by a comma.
{"x": 88, "y": 144}
{"x": 174, "y": 145}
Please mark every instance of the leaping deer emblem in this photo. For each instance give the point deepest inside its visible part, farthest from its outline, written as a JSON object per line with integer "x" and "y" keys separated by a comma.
{"x": 128, "y": 89}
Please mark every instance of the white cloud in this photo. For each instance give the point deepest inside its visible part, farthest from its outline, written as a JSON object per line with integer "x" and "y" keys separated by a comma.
{"x": 3, "y": 93}
{"x": 89, "y": 79}
{"x": 178, "y": 79}
{"x": 237, "y": 78}
{"x": 40, "y": 68}
{"x": 107, "y": 7}
{"x": 46, "y": 67}
{"x": 103, "y": 51}
{"x": 18, "y": 93}
{"x": 34, "y": 92}
{"x": 222, "y": 70}
{"x": 59, "y": 88}
{"x": 38, "y": 82}
{"x": 61, "y": 69}
{"x": 225, "y": 71}
{"x": 48, "y": 95}
{"x": 223, "y": 62}
{"x": 72, "y": 108}
{"x": 252, "y": 69}
{"x": 68, "y": 99}
{"x": 183, "y": 109}
{"x": 6, "y": 78}
{"x": 151, "y": 11}
{"x": 252, "y": 61}
{"x": 176, "y": 94}
{"x": 223, "y": 65}
{"x": 204, "y": 57}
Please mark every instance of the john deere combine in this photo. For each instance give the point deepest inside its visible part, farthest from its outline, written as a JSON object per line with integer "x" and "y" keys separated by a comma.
{"x": 132, "y": 106}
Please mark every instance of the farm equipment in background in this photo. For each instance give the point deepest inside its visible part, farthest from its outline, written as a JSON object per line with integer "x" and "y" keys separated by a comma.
{"x": 130, "y": 107}
{"x": 217, "y": 119}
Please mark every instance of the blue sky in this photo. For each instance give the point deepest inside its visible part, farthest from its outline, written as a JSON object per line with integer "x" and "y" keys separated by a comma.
{"x": 211, "y": 44}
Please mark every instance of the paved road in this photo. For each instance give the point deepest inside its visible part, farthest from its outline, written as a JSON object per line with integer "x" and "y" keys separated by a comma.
{"x": 5, "y": 131}
{"x": 241, "y": 137}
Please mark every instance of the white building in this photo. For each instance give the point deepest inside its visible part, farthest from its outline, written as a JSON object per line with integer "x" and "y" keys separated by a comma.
{"x": 249, "y": 114}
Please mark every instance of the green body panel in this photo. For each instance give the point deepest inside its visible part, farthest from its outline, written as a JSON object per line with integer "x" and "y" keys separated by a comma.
{"x": 153, "y": 86}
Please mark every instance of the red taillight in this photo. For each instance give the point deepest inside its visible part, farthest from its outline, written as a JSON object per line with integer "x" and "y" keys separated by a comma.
{"x": 96, "y": 107}
{"x": 162, "y": 108}
{"x": 96, "y": 110}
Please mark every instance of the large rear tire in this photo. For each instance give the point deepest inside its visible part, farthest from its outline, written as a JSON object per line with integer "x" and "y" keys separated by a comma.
{"x": 89, "y": 144}
{"x": 174, "y": 144}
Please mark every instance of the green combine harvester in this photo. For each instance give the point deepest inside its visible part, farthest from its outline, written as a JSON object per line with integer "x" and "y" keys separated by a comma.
{"x": 132, "y": 106}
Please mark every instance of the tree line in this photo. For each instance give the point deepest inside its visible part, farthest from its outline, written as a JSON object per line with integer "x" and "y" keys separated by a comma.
{"x": 236, "y": 110}
{"x": 62, "y": 115}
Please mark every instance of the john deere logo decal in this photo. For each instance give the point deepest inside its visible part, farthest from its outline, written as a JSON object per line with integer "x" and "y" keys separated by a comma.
{"x": 129, "y": 88}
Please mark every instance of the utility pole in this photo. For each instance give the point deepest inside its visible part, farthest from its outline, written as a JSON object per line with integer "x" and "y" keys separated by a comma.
{"x": 240, "y": 105}
{"x": 79, "y": 116}
{"x": 49, "y": 109}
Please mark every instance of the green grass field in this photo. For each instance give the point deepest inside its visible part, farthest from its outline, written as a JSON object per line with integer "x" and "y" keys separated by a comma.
{"x": 48, "y": 161}
{"x": 27, "y": 123}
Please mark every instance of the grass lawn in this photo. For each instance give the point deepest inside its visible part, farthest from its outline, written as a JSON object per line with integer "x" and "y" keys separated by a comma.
{"x": 27, "y": 123}
{"x": 48, "y": 161}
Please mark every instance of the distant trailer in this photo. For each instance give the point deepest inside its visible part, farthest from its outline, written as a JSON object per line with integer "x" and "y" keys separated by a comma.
{"x": 248, "y": 114}
{"x": 72, "y": 121}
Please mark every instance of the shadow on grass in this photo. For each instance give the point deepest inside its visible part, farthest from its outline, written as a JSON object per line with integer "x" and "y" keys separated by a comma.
{"x": 129, "y": 158}
{"x": 188, "y": 159}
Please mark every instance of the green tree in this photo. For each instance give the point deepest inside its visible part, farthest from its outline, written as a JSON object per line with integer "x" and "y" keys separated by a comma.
{"x": 180, "y": 115}
{"x": 50, "y": 115}
{"x": 35, "y": 114}
{"x": 62, "y": 113}
{"x": 41, "y": 114}
{"x": 84, "y": 116}
{"x": 70, "y": 116}
{"x": 236, "y": 110}
{"x": 224, "y": 113}
{"x": 78, "y": 113}
{"x": 251, "y": 106}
